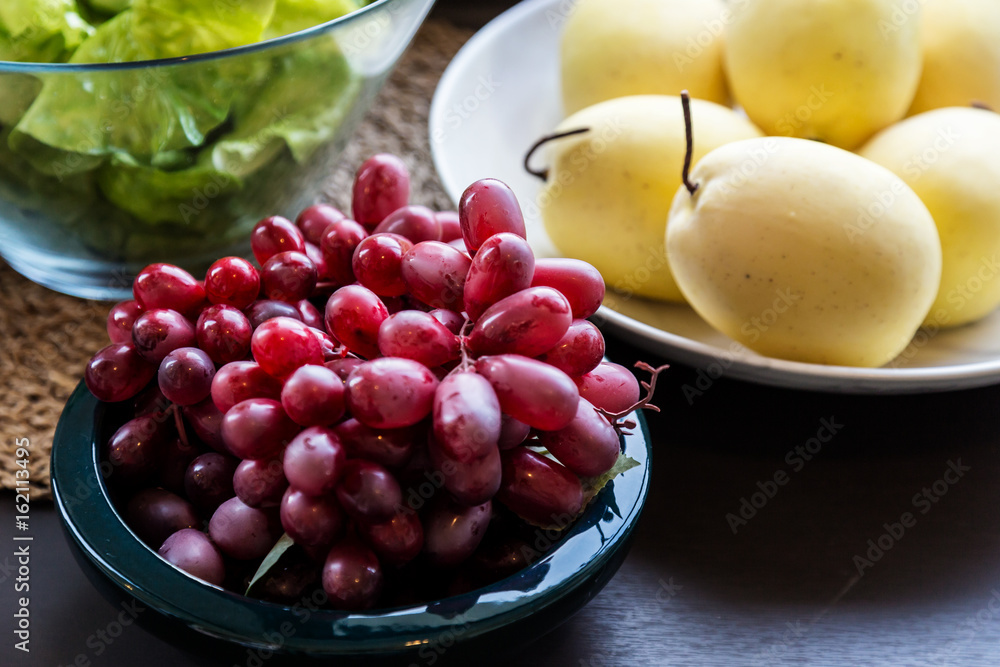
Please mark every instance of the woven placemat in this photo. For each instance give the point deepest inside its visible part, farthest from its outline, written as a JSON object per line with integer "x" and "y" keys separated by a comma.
{"x": 46, "y": 338}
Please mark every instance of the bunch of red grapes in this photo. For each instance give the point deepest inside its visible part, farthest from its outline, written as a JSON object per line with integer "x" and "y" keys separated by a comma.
{"x": 376, "y": 390}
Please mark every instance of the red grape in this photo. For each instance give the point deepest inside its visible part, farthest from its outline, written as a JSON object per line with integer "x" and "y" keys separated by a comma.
{"x": 282, "y": 345}
{"x": 288, "y": 276}
{"x": 224, "y": 333}
{"x": 472, "y": 481}
{"x": 273, "y": 235}
{"x": 353, "y": 316}
{"x": 257, "y": 428}
{"x": 232, "y": 281}
{"x": 396, "y": 541}
{"x": 466, "y": 417}
{"x": 117, "y": 373}
{"x": 452, "y": 321}
{"x": 208, "y": 481}
{"x": 488, "y": 207}
{"x": 539, "y": 489}
{"x": 314, "y": 461}
{"x": 512, "y": 432}
{"x": 191, "y": 550}
{"x": 579, "y": 282}
{"x": 419, "y": 336}
{"x": 390, "y": 392}
{"x": 177, "y": 456}
{"x": 315, "y": 220}
{"x": 377, "y": 263}
{"x": 239, "y": 380}
{"x": 435, "y": 273}
{"x": 609, "y": 386}
{"x": 156, "y": 514}
{"x": 310, "y": 314}
{"x": 314, "y": 396}
{"x": 368, "y": 492}
{"x": 503, "y": 266}
{"x": 381, "y": 186}
{"x": 452, "y": 532}
{"x": 589, "y": 445}
{"x": 260, "y": 482}
{"x": 451, "y": 227}
{"x": 577, "y": 352}
{"x": 158, "y": 332}
{"x": 121, "y": 317}
{"x": 205, "y": 419}
{"x": 241, "y": 531}
{"x": 352, "y": 576}
{"x": 265, "y": 309}
{"x": 185, "y": 376}
{"x": 138, "y": 448}
{"x": 415, "y": 223}
{"x": 338, "y": 245}
{"x": 343, "y": 367}
{"x": 168, "y": 286}
{"x": 311, "y": 520}
{"x": 531, "y": 391}
{"x": 529, "y": 322}
{"x": 388, "y": 447}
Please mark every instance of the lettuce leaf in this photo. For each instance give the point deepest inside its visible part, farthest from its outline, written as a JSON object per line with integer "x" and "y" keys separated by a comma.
{"x": 43, "y": 31}
{"x": 294, "y": 15}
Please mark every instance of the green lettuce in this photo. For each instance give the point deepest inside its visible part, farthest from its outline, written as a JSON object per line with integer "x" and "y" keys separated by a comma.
{"x": 294, "y": 15}
{"x": 44, "y": 31}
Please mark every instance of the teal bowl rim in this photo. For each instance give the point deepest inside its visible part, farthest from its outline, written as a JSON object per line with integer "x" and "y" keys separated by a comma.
{"x": 99, "y": 531}
{"x": 10, "y": 66}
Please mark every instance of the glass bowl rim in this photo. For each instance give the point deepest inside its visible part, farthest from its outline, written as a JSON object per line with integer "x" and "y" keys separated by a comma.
{"x": 171, "y": 591}
{"x": 12, "y": 67}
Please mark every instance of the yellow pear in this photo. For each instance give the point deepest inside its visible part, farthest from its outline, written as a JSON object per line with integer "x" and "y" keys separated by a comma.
{"x": 764, "y": 252}
{"x": 961, "y": 44}
{"x": 615, "y": 48}
{"x": 608, "y": 191}
{"x": 951, "y": 159}
{"x": 837, "y": 71}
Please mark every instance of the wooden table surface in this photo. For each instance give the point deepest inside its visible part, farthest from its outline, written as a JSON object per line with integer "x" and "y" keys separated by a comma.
{"x": 869, "y": 535}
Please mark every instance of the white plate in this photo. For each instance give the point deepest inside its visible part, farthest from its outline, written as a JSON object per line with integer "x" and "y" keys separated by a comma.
{"x": 501, "y": 93}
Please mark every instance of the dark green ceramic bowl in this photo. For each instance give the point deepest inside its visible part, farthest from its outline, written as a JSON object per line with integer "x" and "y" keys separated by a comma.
{"x": 197, "y": 615}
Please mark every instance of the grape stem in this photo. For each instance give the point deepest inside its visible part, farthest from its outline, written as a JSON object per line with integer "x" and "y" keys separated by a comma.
{"x": 644, "y": 403}
{"x": 689, "y": 152}
{"x": 543, "y": 174}
{"x": 179, "y": 421}
{"x": 466, "y": 364}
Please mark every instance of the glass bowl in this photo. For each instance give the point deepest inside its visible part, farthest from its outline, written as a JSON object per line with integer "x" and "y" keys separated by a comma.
{"x": 210, "y": 620}
{"x": 105, "y": 168}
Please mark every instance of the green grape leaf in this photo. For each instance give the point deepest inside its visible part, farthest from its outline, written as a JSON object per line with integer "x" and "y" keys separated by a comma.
{"x": 272, "y": 557}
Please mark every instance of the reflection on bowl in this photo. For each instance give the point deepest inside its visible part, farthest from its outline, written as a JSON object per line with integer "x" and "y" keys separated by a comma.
{"x": 512, "y": 611}
{"x": 106, "y": 168}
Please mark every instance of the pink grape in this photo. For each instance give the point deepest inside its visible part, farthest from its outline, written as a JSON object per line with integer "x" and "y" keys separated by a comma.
{"x": 191, "y": 550}
{"x": 205, "y": 420}
{"x": 449, "y": 318}
{"x": 579, "y": 282}
{"x": 531, "y": 391}
{"x": 315, "y": 220}
{"x": 338, "y": 245}
{"x": 282, "y": 345}
{"x": 315, "y": 256}
{"x": 353, "y": 316}
{"x": 589, "y": 445}
{"x": 415, "y": 223}
{"x": 502, "y": 266}
{"x": 121, "y": 317}
{"x": 117, "y": 373}
{"x": 451, "y": 226}
{"x": 418, "y": 336}
{"x": 314, "y": 461}
{"x": 257, "y": 428}
{"x": 260, "y": 483}
{"x": 579, "y": 351}
{"x": 273, "y": 235}
{"x": 224, "y": 333}
{"x": 388, "y": 447}
{"x": 539, "y": 489}
{"x": 466, "y": 417}
{"x": 310, "y": 314}
{"x": 168, "y": 286}
{"x": 232, "y": 281}
{"x": 352, "y": 576}
{"x": 343, "y": 367}
{"x": 512, "y": 432}
{"x": 185, "y": 375}
{"x": 241, "y": 531}
{"x": 529, "y": 322}
{"x": 396, "y": 541}
{"x": 368, "y": 492}
{"x": 314, "y": 396}
{"x": 471, "y": 481}
{"x": 381, "y": 186}
{"x": 377, "y": 263}
{"x": 488, "y": 207}
{"x": 609, "y": 386}
{"x": 390, "y": 392}
{"x": 435, "y": 274}
{"x": 311, "y": 520}
{"x": 158, "y": 332}
{"x": 156, "y": 514}
{"x": 265, "y": 309}
{"x": 453, "y": 532}
{"x": 208, "y": 481}
{"x": 288, "y": 276}
{"x": 239, "y": 380}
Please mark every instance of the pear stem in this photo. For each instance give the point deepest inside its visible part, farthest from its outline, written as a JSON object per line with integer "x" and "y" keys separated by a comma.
{"x": 977, "y": 104}
{"x": 544, "y": 173}
{"x": 689, "y": 137}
